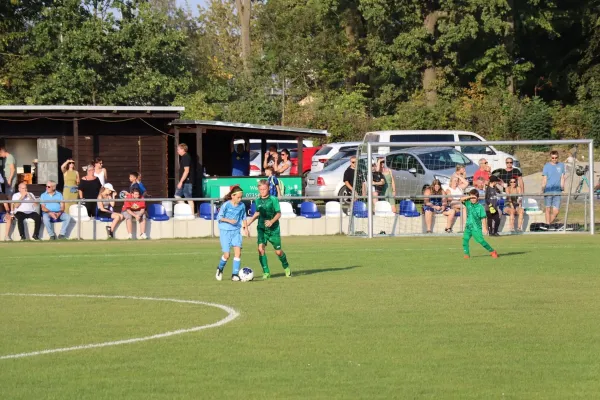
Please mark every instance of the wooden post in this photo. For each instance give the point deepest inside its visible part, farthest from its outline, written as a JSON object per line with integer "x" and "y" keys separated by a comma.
{"x": 76, "y": 142}
{"x": 199, "y": 133}
{"x": 176, "y": 156}
{"x": 300, "y": 152}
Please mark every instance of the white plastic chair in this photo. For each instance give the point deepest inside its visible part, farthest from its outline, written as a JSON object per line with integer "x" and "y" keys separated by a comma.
{"x": 287, "y": 211}
{"x": 333, "y": 209}
{"x": 183, "y": 212}
{"x": 168, "y": 205}
{"x": 383, "y": 209}
{"x": 531, "y": 206}
{"x": 75, "y": 210}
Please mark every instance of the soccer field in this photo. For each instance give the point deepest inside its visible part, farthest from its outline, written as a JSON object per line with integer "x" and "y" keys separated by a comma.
{"x": 385, "y": 318}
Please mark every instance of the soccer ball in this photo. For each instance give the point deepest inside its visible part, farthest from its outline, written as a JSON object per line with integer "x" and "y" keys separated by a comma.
{"x": 246, "y": 274}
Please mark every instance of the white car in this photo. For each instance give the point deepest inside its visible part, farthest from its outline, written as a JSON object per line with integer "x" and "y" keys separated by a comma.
{"x": 328, "y": 151}
{"x": 474, "y": 147}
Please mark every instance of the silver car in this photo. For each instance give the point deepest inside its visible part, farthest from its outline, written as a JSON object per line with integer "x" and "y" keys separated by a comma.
{"x": 414, "y": 168}
{"x": 329, "y": 182}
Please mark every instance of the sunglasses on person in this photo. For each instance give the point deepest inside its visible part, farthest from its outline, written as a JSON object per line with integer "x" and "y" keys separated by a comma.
{"x": 483, "y": 162}
{"x": 48, "y": 186}
{"x": 509, "y": 162}
{"x": 554, "y": 158}
{"x": 513, "y": 181}
{"x": 352, "y": 162}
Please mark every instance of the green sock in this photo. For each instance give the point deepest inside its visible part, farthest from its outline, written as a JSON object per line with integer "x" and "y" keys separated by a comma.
{"x": 263, "y": 263}
{"x": 284, "y": 260}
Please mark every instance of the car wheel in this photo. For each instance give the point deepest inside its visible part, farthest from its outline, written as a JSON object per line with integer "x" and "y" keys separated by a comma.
{"x": 346, "y": 195}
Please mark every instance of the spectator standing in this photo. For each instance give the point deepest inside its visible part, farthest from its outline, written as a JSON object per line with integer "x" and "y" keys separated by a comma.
{"x": 99, "y": 171}
{"x": 514, "y": 204}
{"x": 509, "y": 172}
{"x": 553, "y": 183}
{"x": 143, "y": 190}
{"x": 491, "y": 206}
{"x": 437, "y": 205}
{"x": 270, "y": 157}
{"x": 71, "y": 178}
{"x": 135, "y": 208}
{"x": 6, "y": 215}
{"x": 133, "y": 182}
{"x": 349, "y": 174}
{"x": 389, "y": 189}
{"x": 10, "y": 171}
{"x": 483, "y": 171}
{"x": 54, "y": 211}
{"x": 186, "y": 175}
{"x": 23, "y": 211}
{"x": 240, "y": 160}
{"x": 89, "y": 188}
{"x": 106, "y": 208}
{"x": 285, "y": 165}
{"x": 274, "y": 189}
{"x": 378, "y": 183}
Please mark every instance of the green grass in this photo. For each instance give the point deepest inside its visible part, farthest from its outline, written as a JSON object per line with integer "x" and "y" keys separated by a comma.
{"x": 386, "y": 318}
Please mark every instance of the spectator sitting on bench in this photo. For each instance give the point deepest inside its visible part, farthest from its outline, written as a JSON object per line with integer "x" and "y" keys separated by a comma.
{"x": 23, "y": 211}
{"x": 54, "y": 211}
{"x": 106, "y": 208}
{"x": 135, "y": 208}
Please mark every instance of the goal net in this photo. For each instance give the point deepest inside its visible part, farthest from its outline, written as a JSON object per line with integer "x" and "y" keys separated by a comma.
{"x": 415, "y": 188}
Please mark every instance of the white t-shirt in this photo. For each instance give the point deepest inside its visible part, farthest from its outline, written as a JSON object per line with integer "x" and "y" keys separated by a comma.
{"x": 26, "y": 208}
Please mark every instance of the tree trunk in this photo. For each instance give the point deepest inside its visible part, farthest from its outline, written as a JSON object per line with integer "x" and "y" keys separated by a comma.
{"x": 430, "y": 74}
{"x": 510, "y": 45}
{"x": 353, "y": 29}
{"x": 244, "y": 9}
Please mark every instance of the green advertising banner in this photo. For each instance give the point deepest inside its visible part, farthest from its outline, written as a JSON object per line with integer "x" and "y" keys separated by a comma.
{"x": 217, "y": 188}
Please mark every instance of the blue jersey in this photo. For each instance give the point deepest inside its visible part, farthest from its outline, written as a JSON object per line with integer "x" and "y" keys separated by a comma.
{"x": 553, "y": 174}
{"x": 273, "y": 182}
{"x": 240, "y": 164}
{"x": 229, "y": 211}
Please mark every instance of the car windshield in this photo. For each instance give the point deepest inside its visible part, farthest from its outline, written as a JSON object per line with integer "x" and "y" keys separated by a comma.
{"x": 336, "y": 164}
{"x": 443, "y": 159}
{"x": 340, "y": 155}
{"x": 293, "y": 154}
{"x": 323, "y": 151}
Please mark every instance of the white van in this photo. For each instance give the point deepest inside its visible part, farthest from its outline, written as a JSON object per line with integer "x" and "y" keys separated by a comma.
{"x": 329, "y": 150}
{"x": 495, "y": 158}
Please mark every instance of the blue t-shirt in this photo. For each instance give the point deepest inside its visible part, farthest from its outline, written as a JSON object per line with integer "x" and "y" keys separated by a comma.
{"x": 240, "y": 164}
{"x": 52, "y": 207}
{"x": 229, "y": 211}
{"x": 273, "y": 182}
{"x": 142, "y": 188}
{"x": 553, "y": 173}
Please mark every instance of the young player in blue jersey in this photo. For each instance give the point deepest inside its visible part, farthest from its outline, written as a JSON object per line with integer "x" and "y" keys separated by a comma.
{"x": 232, "y": 219}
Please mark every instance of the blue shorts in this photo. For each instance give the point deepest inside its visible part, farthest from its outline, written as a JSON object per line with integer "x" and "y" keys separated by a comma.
{"x": 185, "y": 191}
{"x": 552, "y": 201}
{"x": 230, "y": 239}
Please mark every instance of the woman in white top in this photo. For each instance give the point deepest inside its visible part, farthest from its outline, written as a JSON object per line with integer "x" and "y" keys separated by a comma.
{"x": 456, "y": 192}
{"x": 285, "y": 165}
{"x": 100, "y": 171}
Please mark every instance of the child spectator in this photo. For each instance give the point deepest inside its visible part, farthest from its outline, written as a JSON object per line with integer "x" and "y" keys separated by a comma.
{"x": 133, "y": 184}
{"x": 491, "y": 206}
{"x": 141, "y": 185}
{"x": 135, "y": 209}
{"x": 106, "y": 208}
{"x": 274, "y": 189}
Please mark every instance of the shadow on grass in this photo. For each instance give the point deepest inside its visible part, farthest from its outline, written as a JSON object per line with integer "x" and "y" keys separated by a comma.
{"x": 510, "y": 253}
{"x": 315, "y": 271}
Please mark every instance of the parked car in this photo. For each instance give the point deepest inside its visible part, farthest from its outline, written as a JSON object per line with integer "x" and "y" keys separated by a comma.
{"x": 328, "y": 151}
{"x": 416, "y": 167}
{"x": 342, "y": 154}
{"x": 307, "y": 155}
{"x": 255, "y": 163}
{"x": 473, "y": 148}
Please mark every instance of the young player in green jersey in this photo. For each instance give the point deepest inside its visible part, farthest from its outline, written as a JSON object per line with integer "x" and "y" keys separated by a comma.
{"x": 268, "y": 214}
{"x": 475, "y": 214}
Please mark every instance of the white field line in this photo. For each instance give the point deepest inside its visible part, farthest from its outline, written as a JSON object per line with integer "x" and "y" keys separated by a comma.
{"x": 217, "y": 250}
{"x": 231, "y": 315}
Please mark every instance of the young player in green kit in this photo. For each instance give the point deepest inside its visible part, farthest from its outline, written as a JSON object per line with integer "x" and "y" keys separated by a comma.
{"x": 475, "y": 214}
{"x": 268, "y": 214}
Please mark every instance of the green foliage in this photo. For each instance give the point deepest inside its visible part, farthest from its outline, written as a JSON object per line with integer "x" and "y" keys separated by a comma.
{"x": 535, "y": 122}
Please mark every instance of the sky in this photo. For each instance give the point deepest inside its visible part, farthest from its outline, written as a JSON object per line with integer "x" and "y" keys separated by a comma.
{"x": 193, "y": 4}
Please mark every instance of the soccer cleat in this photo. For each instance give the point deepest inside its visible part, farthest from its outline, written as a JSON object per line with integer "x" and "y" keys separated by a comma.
{"x": 288, "y": 272}
{"x": 494, "y": 254}
{"x": 266, "y": 276}
{"x": 219, "y": 275}
{"x": 236, "y": 278}
{"x": 466, "y": 257}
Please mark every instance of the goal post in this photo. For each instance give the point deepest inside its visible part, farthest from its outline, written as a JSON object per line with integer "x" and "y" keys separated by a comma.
{"x": 414, "y": 166}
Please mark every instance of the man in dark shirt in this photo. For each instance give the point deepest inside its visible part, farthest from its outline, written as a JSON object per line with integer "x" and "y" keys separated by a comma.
{"x": 240, "y": 160}
{"x": 186, "y": 174}
{"x": 349, "y": 175}
{"x": 509, "y": 172}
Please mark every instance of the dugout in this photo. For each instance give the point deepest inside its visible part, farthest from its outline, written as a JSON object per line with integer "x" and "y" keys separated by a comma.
{"x": 209, "y": 143}
{"x": 126, "y": 138}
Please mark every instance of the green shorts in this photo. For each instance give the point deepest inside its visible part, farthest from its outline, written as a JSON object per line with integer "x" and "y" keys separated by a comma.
{"x": 272, "y": 236}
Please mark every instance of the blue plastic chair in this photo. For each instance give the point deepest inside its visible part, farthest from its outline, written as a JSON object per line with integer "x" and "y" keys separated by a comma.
{"x": 359, "y": 210}
{"x": 2, "y": 218}
{"x": 408, "y": 209}
{"x": 102, "y": 219}
{"x": 308, "y": 209}
{"x": 156, "y": 212}
{"x": 252, "y": 209}
{"x": 205, "y": 211}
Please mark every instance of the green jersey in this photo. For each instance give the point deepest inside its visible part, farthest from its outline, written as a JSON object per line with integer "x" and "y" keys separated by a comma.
{"x": 475, "y": 213}
{"x": 267, "y": 208}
